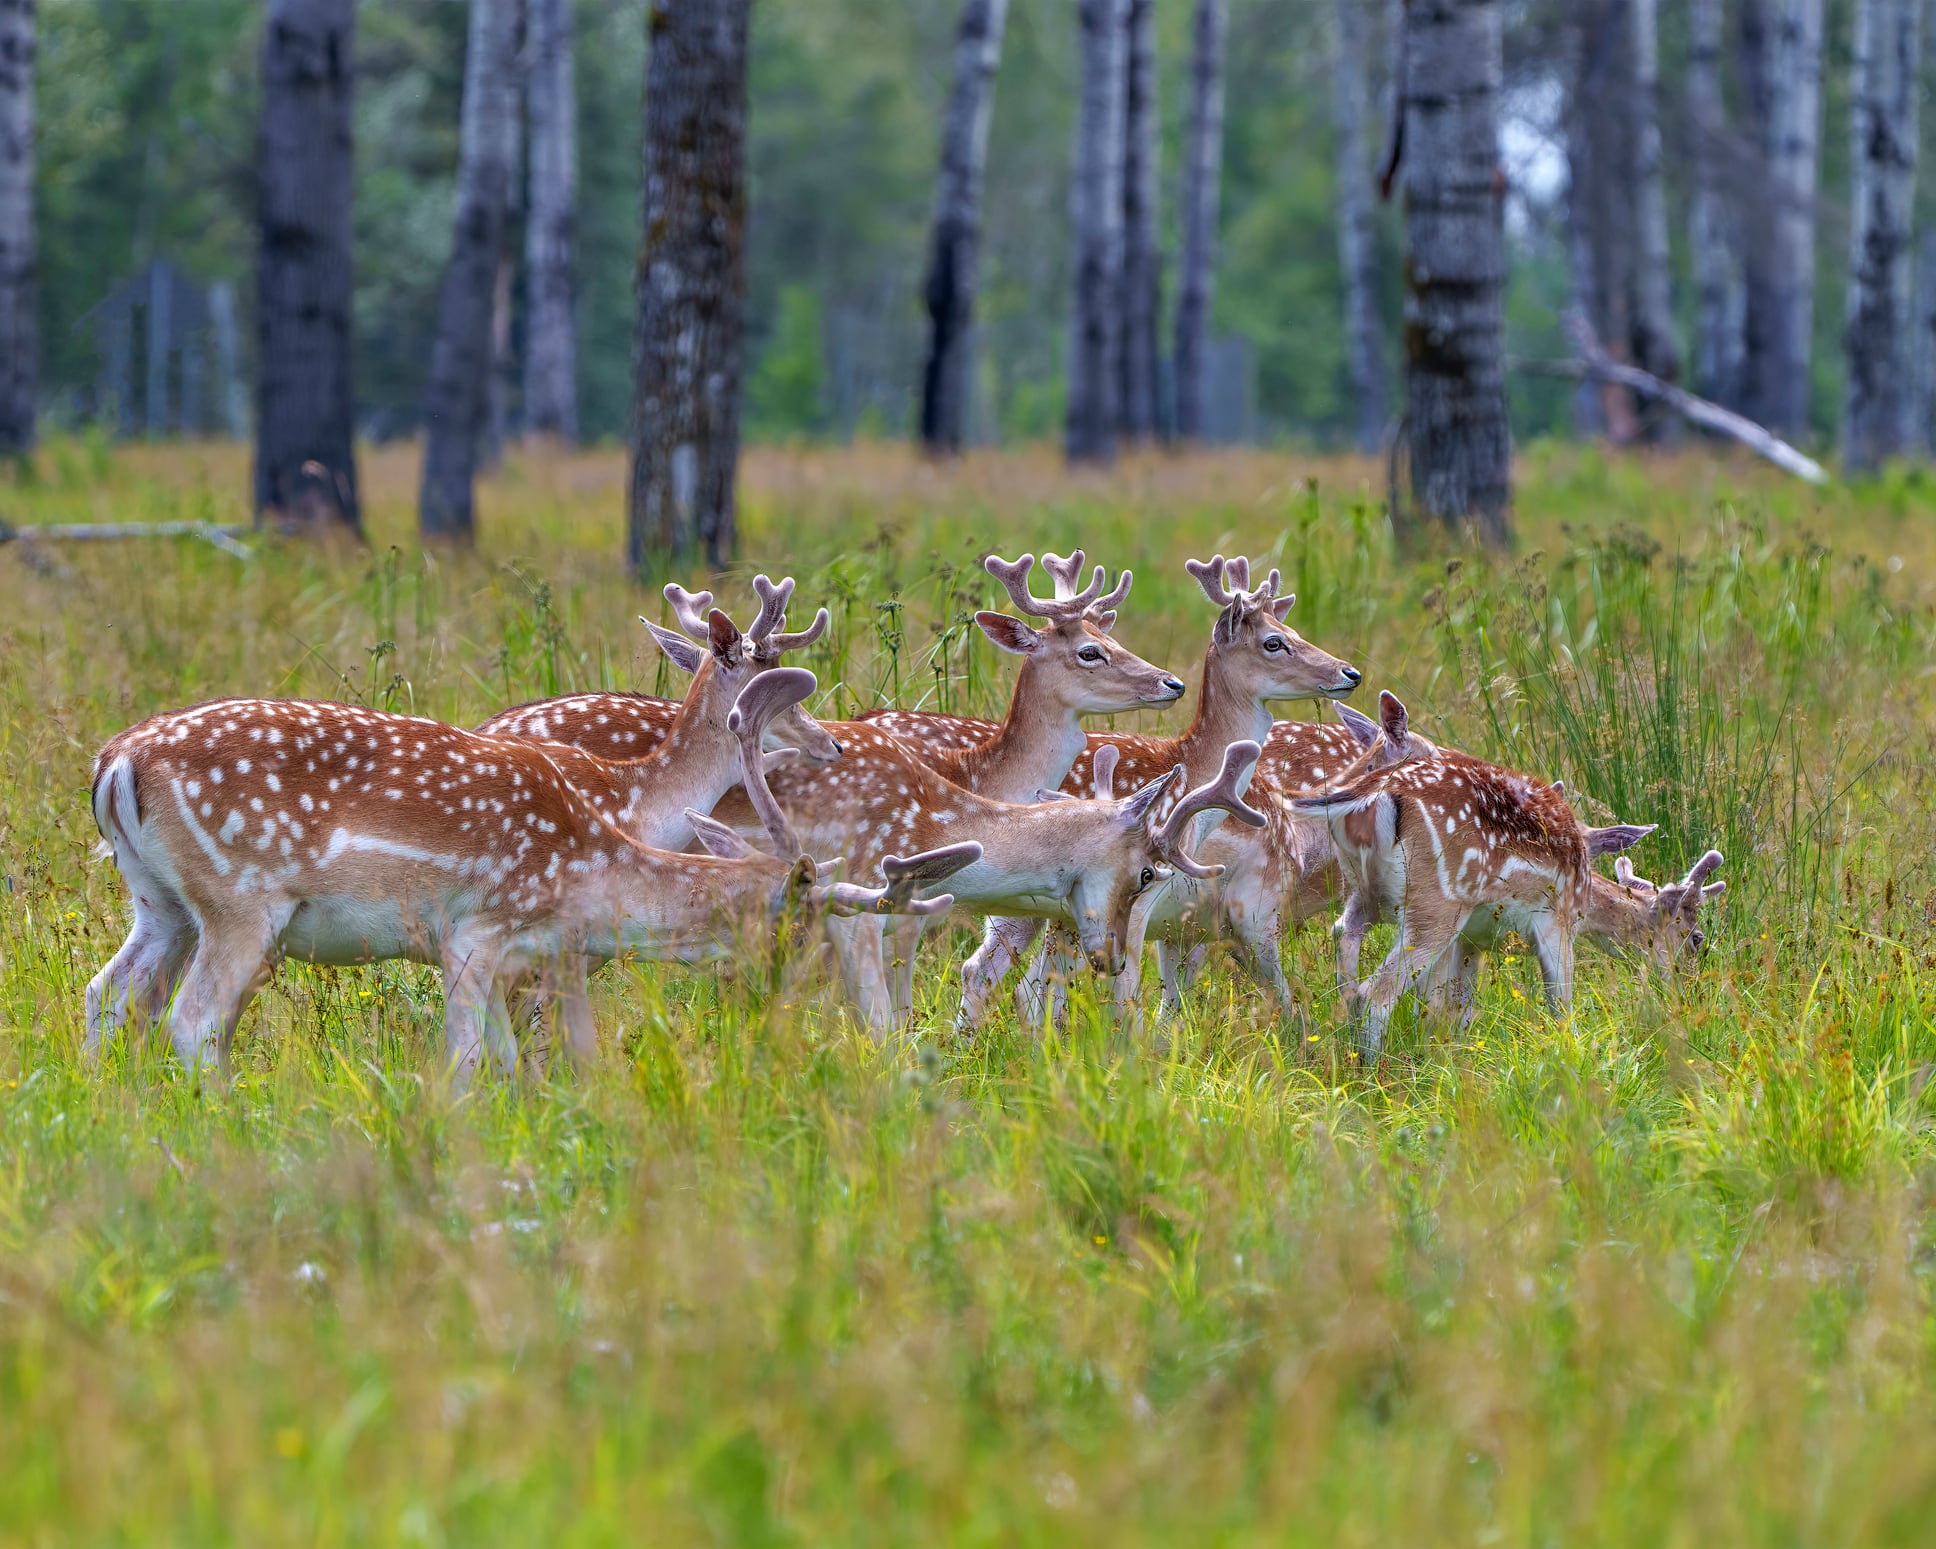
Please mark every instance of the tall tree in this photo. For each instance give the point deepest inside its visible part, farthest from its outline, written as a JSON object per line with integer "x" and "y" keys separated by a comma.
{"x": 1600, "y": 201}
{"x": 19, "y": 337}
{"x": 457, "y": 401}
{"x": 551, "y": 212}
{"x": 1096, "y": 204}
{"x": 1202, "y": 175}
{"x": 1887, "y": 52}
{"x": 1710, "y": 233}
{"x": 1357, "y": 255}
{"x": 954, "y": 260}
{"x": 691, "y": 285}
{"x": 305, "y": 453}
{"x": 502, "y": 393}
{"x": 1455, "y": 380}
{"x": 1653, "y": 299}
{"x": 1781, "y": 63}
{"x": 1138, "y": 415}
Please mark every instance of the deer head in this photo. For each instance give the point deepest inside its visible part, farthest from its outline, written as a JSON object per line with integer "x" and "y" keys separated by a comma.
{"x": 1661, "y": 923}
{"x": 724, "y": 661}
{"x": 1253, "y": 650}
{"x": 1071, "y": 664}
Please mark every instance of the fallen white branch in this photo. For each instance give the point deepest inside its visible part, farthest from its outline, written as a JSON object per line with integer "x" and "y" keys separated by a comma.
{"x": 1595, "y": 362}
{"x": 224, "y": 538}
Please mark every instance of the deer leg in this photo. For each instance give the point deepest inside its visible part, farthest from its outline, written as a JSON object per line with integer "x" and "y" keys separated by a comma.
{"x": 574, "y": 1005}
{"x": 1553, "y": 946}
{"x": 228, "y": 966}
{"x": 1379, "y": 996}
{"x": 1256, "y": 934}
{"x": 901, "y": 940}
{"x": 1002, "y": 942}
{"x": 857, "y": 945}
{"x": 141, "y": 976}
{"x": 1348, "y": 936}
{"x": 475, "y": 1023}
{"x": 1174, "y": 969}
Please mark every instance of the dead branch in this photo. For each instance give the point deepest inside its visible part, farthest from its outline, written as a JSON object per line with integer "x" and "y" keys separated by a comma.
{"x": 224, "y": 538}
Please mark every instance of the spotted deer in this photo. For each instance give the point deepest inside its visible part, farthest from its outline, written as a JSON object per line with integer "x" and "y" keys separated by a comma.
{"x": 1458, "y": 853}
{"x": 1254, "y": 659}
{"x": 251, "y": 830}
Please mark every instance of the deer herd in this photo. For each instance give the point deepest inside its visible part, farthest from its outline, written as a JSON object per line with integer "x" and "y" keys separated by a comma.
{"x": 520, "y": 857}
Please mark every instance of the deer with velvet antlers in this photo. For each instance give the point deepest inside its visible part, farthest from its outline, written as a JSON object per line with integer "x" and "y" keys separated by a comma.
{"x": 1459, "y": 853}
{"x": 250, "y": 831}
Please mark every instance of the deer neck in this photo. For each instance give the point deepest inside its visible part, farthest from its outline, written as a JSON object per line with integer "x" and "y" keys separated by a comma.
{"x": 1034, "y": 748}
{"x": 1612, "y": 918}
{"x": 1031, "y": 853}
{"x": 1225, "y": 714}
{"x": 696, "y": 764}
{"x": 631, "y": 899}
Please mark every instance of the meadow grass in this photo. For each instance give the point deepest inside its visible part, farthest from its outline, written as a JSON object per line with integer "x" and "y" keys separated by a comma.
{"x": 1660, "y": 1273}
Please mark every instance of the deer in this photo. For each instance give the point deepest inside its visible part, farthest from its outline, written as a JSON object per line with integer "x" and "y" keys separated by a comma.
{"x": 648, "y": 794}
{"x": 250, "y": 831}
{"x": 1458, "y": 853}
{"x": 1254, "y": 658}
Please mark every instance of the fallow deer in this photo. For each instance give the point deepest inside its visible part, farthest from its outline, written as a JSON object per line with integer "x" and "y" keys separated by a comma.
{"x": 250, "y": 831}
{"x": 1458, "y": 853}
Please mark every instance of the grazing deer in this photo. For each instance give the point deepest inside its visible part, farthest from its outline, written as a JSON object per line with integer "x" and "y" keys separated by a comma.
{"x": 1458, "y": 853}
{"x": 253, "y": 830}
{"x": 1253, "y": 659}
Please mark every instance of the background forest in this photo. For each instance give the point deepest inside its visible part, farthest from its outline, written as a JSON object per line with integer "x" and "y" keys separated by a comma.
{"x": 147, "y": 119}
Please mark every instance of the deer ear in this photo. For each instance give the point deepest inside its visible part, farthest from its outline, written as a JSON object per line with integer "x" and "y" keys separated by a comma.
{"x": 1139, "y": 802}
{"x": 724, "y": 635}
{"x": 1611, "y": 841}
{"x": 718, "y": 839}
{"x": 680, "y": 651}
{"x": 1392, "y": 716}
{"x": 1363, "y": 729}
{"x": 1283, "y": 605}
{"x": 1008, "y": 634}
{"x": 801, "y": 879}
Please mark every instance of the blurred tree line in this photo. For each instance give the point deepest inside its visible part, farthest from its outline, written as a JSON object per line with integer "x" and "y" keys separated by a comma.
{"x": 148, "y": 113}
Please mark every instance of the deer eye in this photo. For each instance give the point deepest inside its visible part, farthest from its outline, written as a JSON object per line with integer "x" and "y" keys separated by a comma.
{"x": 1149, "y": 876}
{"x": 1697, "y": 938}
{"x": 1090, "y": 653}
{"x": 1274, "y": 643}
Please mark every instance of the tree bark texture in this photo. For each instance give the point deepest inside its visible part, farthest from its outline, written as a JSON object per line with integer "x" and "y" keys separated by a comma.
{"x": 499, "y": 411}
{"x": 691, "y": 284}
{"x": 1455, "y": 393}
{"x": 1202, "y": 174}
{"x": 305, "y": 452}
{"x": 1139, "y": 416}
{"x": 1096, "y": 199}
{"x": 1653, "y": 299}
{"x": 19, "y": 335}
{"x": 1601, "y": 194}
{"x": 1357, "y": 253}
{"x": 1711, "y": 222}
{"x": 463, "y": 359}
{"x": 1781, "y": 55}
{"x": 1887, "y": 51}
{"x": 954, "y": 260}
{"x": 1922, "y": 350}
{"x": 551, "y": 215}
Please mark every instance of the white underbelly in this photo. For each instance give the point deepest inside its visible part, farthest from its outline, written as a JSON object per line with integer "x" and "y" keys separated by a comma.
{"x": 362, "y": 930}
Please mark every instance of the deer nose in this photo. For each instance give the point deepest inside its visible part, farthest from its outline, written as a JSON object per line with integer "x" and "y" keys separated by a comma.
{"x": 1353, "y": 676}
{"x": 838, "y": 749}
{"x": 1174, "y": 685}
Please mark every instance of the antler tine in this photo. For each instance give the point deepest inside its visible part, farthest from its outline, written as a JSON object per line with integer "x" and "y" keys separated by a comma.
{"x": 1702, "y": 869}
{"x": 1064, "y": 572}
{"x": 778, "y": 689}
{"x": 1103, "y": 768}
{"x": 689, "y": 608}
{"x": 1014, "y": 578}
{"x": 1209, "y": 574}
{"x": 1268, "y": 590}
{"x": 1238, "y": 573}
{"x": 1623, "y": 870}
{"x": 800, "y": 639}
{"x": 1113, "y": 599}
{"x": 1221, "y": 794}
{"x": 773, "y": 606}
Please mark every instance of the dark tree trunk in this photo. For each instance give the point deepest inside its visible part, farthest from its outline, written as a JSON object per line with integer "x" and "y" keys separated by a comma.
{"x": 19, "y": 338}
{"x": 1600, "y": 188}
{"x": 1096, "y": 198}
{"x": 1202, "y": 173}
{"x": 1138, "y": 415}
{"x": 457, "y": 403}
{"x": 1455, "y": 383}
{"x": 1922, "y": 351}
{"x": 954, "y": 261}
{"x": 1711, "y": 228}
{"x": 1653, "y": 297}
{"x": 305, "y": 454}
{"x": 691, "y": 285}
{"x": 1887, "y": 53}
{"x": 1357, "y": 255}
{"x": 551, "y": 334}
{"x": 1781, "y": 61}
{"x": 500, "y": 408}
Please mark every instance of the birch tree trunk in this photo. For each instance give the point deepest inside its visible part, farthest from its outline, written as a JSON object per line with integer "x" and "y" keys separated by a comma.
{"x": 1202, "y": 173}
{"x": 1142, "y": 251}
{"x": 1455, "y": 385}
{"x": 457, "y": 403}
{"x": 305, "y": 450}
{"x": 1887, "y": 51}
{"x": 1600, "y": 199}
{"x": 1096, "y": 198}
{"x": 1357, "y": 255}
{"x": 691, "y": 285}
{"x": 551, "y": 215}
{"x": 1710, "y": 235}
{"x": 1922, "y": 348}
{"x": 954, "y": 261}
{"x": 1782, "y": 64}
{"x": 19, "y": 335}
{"x": 1653, "y": 293}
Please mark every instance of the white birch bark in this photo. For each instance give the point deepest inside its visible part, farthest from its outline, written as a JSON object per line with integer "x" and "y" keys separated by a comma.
{"x": 1202, "y": 174}
{"x": 1357, "y": 254}
{"x": 1653, "y": 298}
{"x": 1710, "y": 225}
{"x": 1887, "y": 51}
{"x": 551, "y": 216}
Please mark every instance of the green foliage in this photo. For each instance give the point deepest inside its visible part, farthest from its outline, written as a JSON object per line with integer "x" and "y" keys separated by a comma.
{"x": 786, "y": 396}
